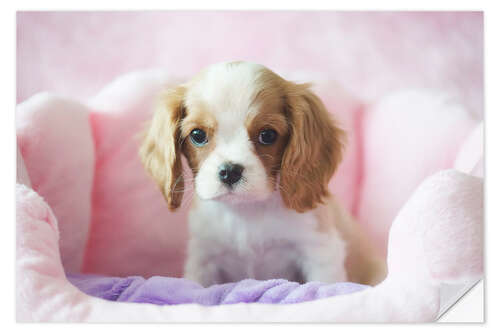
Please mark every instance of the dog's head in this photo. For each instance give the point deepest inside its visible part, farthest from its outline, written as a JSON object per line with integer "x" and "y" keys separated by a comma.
{"x": 246, "y": 132}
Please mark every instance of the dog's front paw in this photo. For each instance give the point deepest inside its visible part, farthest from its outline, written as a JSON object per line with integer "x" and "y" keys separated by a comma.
{"x": 325, "y": 262}
{"x": 204, "y": 274}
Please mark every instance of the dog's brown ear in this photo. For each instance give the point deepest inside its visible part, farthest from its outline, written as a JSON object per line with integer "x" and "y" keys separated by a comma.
{"x": 313, "y": 151}
{"x": 160, "y": 151}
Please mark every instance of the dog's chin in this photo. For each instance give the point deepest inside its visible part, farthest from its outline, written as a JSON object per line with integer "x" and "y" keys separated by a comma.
{"x": 236, "y": 196}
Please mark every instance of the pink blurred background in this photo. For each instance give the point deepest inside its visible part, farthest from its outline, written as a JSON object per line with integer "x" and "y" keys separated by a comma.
{"x": 371, "y": 53}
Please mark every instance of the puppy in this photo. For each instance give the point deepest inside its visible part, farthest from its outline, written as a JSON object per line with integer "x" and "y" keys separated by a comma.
{"x": 262, "y": 151}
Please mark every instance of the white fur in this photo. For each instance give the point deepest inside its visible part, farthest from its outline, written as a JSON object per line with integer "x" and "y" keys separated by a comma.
{"x": 260, "y": 240}
{"x": 247, "y": 232}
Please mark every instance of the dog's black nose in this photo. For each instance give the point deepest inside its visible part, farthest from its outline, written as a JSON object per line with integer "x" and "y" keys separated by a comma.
{"x": 230, "y": 173}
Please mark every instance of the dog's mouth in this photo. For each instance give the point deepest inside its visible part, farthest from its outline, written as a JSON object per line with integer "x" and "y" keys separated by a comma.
{"x": 237, "y": 196}
{"x": 229, "y": 195}
{"x": 240, "y": 192}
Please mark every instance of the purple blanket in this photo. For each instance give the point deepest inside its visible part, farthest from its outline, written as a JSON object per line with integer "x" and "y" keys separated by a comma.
{"x": 167, "y": 290}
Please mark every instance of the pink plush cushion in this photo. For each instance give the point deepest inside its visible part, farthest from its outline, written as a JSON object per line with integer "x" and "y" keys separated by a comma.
{"x": 443, "y": 215}
{"x": 132, "y": 232}
{"x": 407, "y": 136}
{"x": 103, "y": 209}
{"x": 348, "y": 112}
{"x": 372, "y": 53}
{"x": 54, "y": 138}
{"x": 440, "y": 228}
{"x": 470, "y": 157}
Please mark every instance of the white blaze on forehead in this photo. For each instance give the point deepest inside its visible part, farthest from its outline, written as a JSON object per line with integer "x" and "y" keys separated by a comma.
{"x": 227, "y": 90}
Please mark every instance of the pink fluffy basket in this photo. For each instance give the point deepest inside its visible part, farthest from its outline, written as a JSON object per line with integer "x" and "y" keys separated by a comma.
{"x": 412, "y": 175}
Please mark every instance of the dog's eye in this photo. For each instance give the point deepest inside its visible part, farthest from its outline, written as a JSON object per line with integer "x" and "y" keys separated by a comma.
{"x": 198, "y": 137}
{"x": 267, "y": 136}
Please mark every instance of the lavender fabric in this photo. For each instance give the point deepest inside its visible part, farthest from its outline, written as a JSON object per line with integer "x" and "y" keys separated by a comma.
{"x": 167, "y": 290}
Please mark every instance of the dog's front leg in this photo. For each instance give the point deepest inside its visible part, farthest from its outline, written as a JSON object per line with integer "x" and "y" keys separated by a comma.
{"x": 324, "y": 262}
{"x": 199, "y": 267}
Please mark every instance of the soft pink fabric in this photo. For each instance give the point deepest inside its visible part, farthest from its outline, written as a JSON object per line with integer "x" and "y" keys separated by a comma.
{"x": 407, "y": 136}
{"x": 370, "y": 53}
{"x": 450, "y": 201}
{"x": 472, "y": 151}
{"x": 21, "y": 172}
{"x": 132, "y": 233}
{"x": 81, "y": 155}
{"x": 444, "y": 223}
{"x": 348, "y": 113}
{"x": 54, "y": 138}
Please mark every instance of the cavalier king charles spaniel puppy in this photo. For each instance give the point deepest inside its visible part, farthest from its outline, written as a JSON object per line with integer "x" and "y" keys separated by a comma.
{"x": 262, "y": 151}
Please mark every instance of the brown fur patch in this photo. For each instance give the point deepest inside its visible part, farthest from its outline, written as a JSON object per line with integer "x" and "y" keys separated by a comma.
{"x": 160, "y": 151}
{"x": 270, "y": 155}
{"x": 363, "y": 263}
{"x": 313, "y": 151}
{"x": 270, "y": 115}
